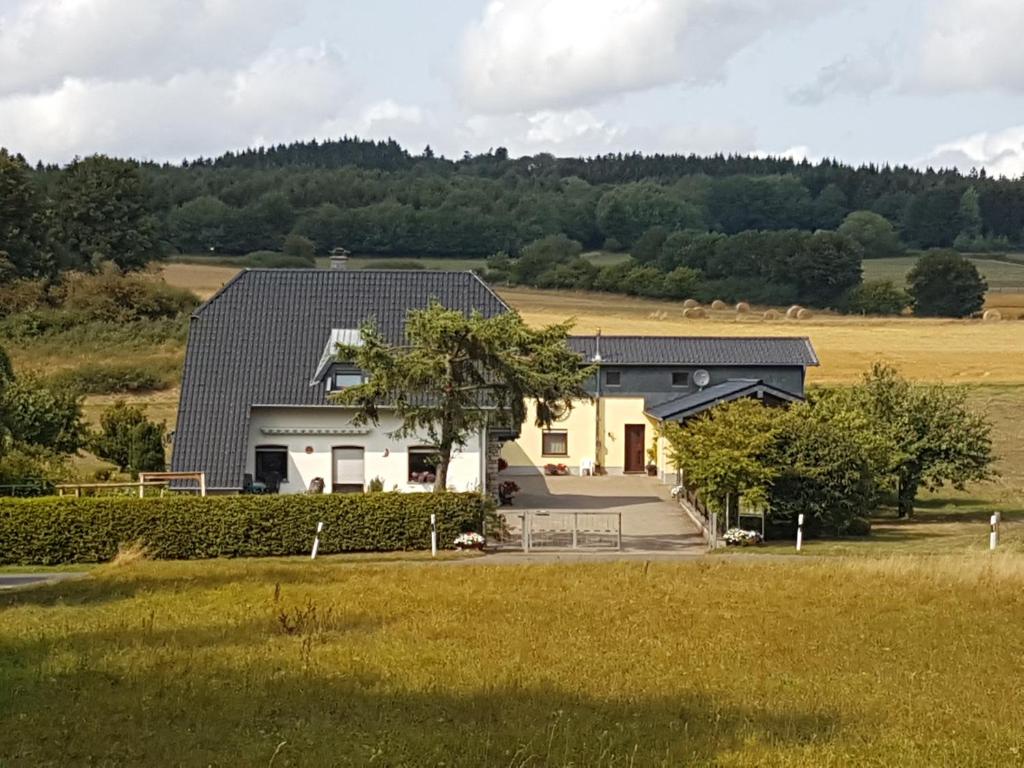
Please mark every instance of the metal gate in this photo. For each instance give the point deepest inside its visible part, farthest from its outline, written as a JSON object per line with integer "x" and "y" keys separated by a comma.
{"x": 546, "y": 531}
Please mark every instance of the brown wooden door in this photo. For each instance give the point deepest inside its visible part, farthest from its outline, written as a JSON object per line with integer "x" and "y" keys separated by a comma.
{"x": 635, "y": 448}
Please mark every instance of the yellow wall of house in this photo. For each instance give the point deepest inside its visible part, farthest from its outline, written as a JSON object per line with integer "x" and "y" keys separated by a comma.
{"x": 580, "y": 424}
{"x": 526, "y": 452}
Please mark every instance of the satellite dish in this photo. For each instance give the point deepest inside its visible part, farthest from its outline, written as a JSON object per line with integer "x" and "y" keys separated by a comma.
{"x": 701, "y": 378}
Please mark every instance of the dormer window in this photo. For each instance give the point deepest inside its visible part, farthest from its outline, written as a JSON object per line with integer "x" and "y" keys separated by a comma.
{"x": 346, "y": 379}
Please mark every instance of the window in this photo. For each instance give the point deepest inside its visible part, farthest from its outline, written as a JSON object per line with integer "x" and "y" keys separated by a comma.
{"x": 346, "y": 379}
{"x": 613, "y": 378}
{"x": 680, "y": 378}
{"x": 554, "y": 443}
{"x": 422, "y": 465}
{"x": 271, "y": 465}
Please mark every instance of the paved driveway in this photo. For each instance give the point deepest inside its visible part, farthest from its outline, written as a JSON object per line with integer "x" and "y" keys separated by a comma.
{"x": 651, "y": 521}
{"x": 16, "y": 580}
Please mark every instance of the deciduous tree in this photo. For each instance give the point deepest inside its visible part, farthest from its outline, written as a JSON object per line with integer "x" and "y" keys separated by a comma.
{"x": 945, "y": 284}
{"x": 101, "y": 215}
{"x": 873, "y": 232}
{"x": 937, "y": 438}
{"x": 130, "y": 440}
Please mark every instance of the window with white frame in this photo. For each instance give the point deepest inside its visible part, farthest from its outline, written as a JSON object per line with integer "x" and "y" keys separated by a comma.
{"x": 346, "y": 379}
{"x": 422, "y": 465}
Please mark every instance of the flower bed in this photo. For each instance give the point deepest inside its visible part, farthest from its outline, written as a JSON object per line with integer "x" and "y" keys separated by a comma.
{"x": 737, "y": 537}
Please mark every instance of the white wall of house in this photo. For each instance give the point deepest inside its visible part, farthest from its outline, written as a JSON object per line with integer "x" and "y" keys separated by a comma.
{"x": 311, "y": 434}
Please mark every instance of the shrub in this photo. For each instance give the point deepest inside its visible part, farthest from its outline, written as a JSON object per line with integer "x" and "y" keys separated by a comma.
{"x": 395, "y": 264}
{"x": 859, "y": 526}
{"x": 23, "y": 296}
{"x": 275, "y": 260}
{"x": 114, "y": 297}
{"x": 130, "y": 440}
{"x": 42, "y": 416}
{"x": 66, "y": 530}
{"x": 299, "y": 247}
{"x": 877, "y": 297}
{"x": 21, "y": 463}
{"x": 105, "y": 379}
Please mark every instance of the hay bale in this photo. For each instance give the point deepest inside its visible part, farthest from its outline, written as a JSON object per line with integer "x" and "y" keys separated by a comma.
{"x": 992, "y": 315}
{"x": 694, "y": 313}
{"x": 804, "y": 314}
{"x": 742, "y": 308}
{"x": 771, "y": 314}
{"x": 793, "y": 311}
{"x": 718, "y": 305}
{"x": 691, "y": 304}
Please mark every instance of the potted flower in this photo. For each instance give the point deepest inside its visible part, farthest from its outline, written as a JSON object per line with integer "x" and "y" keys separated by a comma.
{"x": 506, "y": 490}
{"x": 652, "y": 460}
{"x": 469, "y": 540}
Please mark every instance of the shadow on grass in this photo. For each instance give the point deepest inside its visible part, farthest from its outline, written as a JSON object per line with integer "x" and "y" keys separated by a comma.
{"x": 109, "y": 583}
{"x": 323, "y": 715}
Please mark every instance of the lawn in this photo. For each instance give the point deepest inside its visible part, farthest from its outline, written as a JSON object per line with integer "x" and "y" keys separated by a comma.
{"x": 1001, "y": 274}
{"x": 723, "y": 662}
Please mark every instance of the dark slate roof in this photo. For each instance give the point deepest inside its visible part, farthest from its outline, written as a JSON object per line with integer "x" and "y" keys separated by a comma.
{"x": 259, "y": 339}
{"x": 697, "y": 350}
{"x": 698, "y": 402}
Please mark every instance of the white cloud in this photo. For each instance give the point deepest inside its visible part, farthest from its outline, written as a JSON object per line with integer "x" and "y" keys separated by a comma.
{"x": 1001, "y": 153}
{"x": 970, "y": 44}
{"x": 859, "y": 75}
{"x": 576, "y": 131}
{"x": 187, "y": 114}
{"x": 528, "y": 55}
{"x": 550, "y": 127}
{"x": 44, "y": 43}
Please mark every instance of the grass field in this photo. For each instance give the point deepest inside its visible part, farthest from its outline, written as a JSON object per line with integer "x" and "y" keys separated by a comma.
{"x": 1004, "y": 275}
{"x": 723, "y": 662}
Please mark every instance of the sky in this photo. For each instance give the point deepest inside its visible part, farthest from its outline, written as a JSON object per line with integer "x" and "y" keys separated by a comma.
{"x": 922, "y": 82}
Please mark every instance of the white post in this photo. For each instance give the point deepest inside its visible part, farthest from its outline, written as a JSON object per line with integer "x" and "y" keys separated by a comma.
{"x": 993, "y": 536}
{"x": 433, "y": 535}
{"x": 799, "y": 532}
{"x": 316, "y": 540}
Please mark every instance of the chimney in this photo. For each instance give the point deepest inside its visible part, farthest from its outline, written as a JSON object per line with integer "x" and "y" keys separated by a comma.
{"x": 339, "y": 258}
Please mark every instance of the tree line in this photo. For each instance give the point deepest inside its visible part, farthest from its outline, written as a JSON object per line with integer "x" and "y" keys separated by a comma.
{"x": 377, "y": 198}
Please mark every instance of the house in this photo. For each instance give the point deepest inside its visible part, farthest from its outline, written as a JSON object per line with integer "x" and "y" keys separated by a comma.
{"x": 259, "y": 372}
{"x": 260, "y": 369}
{"x": 642, "y": 382}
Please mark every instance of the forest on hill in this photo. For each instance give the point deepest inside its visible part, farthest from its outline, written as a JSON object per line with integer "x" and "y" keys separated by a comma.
{"x": 741, "y": 223}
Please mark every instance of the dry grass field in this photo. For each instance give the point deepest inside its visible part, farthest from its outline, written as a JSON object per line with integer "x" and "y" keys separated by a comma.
{"x": 725, "y": 662}
{"x": 953, "y": 351}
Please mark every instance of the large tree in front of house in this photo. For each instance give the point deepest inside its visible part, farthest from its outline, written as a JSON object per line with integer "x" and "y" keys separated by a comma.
{"x": 455, "y": 375}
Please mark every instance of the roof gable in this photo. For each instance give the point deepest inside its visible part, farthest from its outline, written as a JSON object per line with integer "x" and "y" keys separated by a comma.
{"x": 705, "y": 399}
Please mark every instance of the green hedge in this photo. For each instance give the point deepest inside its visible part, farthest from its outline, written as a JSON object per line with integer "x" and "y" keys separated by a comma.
{"x": 55, "y": 530}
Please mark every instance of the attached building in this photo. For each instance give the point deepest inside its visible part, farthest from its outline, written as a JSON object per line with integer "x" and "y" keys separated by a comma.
{"x": 643, "y": 382}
